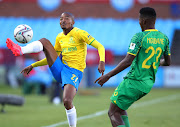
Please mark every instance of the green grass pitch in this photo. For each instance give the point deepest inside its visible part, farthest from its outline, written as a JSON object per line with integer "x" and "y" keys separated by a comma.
{"x": 160, "y": 108}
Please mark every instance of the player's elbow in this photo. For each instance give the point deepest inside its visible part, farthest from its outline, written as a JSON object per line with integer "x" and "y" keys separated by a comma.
{"x": 128, "y": 60}
{"x": 168, "y": 63}
{"x": 167, "y": 60}
{"x": 100, "y": 47}
{"x": 129, "y": 63}
{"x": 44, "y": 40}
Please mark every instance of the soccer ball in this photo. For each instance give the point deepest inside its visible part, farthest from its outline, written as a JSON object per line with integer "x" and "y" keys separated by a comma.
{"x": 23, "y": 33}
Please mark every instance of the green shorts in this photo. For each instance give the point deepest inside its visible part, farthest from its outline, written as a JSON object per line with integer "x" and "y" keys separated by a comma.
{"x": 125, "y": 95}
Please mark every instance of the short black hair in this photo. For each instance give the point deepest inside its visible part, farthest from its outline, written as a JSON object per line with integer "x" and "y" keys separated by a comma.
{"x": 147, "y": 12}
{"x": 70, "y": 14}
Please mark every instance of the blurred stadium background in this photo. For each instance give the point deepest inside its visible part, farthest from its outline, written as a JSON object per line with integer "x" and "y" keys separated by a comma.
{"x": 112, "y": 23}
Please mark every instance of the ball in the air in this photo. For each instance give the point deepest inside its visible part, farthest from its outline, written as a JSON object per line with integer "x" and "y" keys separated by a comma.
{"x": 23, "y": 33}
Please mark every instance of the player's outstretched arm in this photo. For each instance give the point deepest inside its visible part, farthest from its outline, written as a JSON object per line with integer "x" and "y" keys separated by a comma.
{"x": 166, "y": 61}
{"x": 101, "y": 51}
{"x": 87, "y": 38}
{"x": 40, "y": 63}
{"x": 28, "y": 69}
{"x": 126, "y": 62}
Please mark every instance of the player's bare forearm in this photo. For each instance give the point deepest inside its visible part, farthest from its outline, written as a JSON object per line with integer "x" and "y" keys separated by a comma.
{"x": 126, "y": 62}
{"x": 120, "y": 67}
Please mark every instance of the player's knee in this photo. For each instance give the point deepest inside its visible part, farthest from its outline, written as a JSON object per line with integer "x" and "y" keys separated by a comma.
{"x": 67, "y": 102}
{"x": 44, "y": 41}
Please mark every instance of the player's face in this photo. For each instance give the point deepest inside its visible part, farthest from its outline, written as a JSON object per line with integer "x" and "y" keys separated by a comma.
{"x": 66, "y": 21}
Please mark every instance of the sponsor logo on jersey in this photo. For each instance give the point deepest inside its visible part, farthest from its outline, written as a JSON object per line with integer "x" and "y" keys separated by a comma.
{"x": 70, "y": 49}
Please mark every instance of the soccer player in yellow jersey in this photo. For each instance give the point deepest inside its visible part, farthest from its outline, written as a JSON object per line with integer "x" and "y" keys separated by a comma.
{"x": 71, "y": 44}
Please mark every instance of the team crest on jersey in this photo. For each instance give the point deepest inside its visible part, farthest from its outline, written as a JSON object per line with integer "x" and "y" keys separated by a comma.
{"x": 132, "y": 46}
{"x": 71, "y": 40}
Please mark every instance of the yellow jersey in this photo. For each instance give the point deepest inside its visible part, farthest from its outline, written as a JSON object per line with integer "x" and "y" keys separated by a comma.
{"x": 73, "y": 48}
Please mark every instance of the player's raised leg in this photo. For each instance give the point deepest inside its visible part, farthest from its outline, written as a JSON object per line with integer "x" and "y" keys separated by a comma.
{"x": 49, "y": 51}
{"x": 68, "y": 96}
{"x": 34, "y": 47}
{"x": 17, "y": 50}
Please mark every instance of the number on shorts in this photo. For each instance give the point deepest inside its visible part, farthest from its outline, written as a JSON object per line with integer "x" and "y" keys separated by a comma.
{"x": 74, "y": 78}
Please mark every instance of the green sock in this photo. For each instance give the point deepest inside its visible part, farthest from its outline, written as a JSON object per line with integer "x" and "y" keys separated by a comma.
{"x": 126, "y": 120}
{"x": 121, "y": 126}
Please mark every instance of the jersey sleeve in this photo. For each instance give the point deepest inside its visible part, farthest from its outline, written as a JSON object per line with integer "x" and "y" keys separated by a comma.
{"x": 135, "y": 44}
{"x": 100, "y": 48}
{"x": 86, "y": 37}
{"x": 40, "y": 63}
{"x": 57, "y": 45}
{"x": 167, "y": 49}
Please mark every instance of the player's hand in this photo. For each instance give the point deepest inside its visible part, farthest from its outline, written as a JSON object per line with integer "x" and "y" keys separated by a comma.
{"x": 101, "y": 80}
{"x": 101, "y": 67}
{"x": 27, "y": 70}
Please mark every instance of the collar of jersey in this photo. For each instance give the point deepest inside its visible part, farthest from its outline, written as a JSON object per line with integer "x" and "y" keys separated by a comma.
{"x": 69, "y": 32}
{"x": 151, "y": 30}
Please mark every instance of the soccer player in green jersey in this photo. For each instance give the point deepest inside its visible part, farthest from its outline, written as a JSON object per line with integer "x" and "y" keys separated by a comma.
{"x": 144, "y": 56}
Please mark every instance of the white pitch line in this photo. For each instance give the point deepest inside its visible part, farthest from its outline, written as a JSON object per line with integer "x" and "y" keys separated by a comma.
{"x": 80, "y": 118}
{"x": 158, "y": 100}
{"x": 136, "y": 105}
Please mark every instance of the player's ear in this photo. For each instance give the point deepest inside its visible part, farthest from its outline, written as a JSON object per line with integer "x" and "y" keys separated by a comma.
{"x": 73, "y": 22}
{"x": 144, "y": 21}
